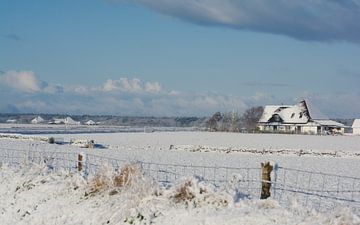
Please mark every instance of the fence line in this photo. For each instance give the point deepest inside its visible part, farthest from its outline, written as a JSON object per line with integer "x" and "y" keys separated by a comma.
{"x": 321, "y": 191}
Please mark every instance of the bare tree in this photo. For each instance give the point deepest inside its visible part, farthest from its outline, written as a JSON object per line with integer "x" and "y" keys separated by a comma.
{"x": 251, "y": 118}
{"x": 214, "y": 122}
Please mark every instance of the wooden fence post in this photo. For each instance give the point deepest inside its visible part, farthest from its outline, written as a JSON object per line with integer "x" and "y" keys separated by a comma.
{"x": 80, "y": 162}
{"x": 266, "y": 169}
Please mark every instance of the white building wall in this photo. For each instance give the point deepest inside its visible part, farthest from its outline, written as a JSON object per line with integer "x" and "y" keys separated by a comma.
{"x": 309, "y": 129}
{"x": 356, "y": 130}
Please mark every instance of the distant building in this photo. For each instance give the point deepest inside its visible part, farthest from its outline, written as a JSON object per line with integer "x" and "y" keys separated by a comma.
{"x": 299, "y": 118}
{"x": 356, "y": 127}
{"x": 90, "y": 123}
{"x": 11, "y": 121}
{"x": 57, "y": 121}
{"x": 37, "y": 120}
{"x": 68, "y": 121}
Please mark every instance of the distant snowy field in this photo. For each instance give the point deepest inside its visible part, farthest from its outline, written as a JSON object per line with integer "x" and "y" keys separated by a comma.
{"x": 316, "y": 153}
{"x": 331, "y": 154}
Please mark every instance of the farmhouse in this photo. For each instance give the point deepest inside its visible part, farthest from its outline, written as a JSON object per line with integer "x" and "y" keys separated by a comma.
{"x": 68, "y": 121}
{"x": 37, "y": 120}
{"x": 11, "y": 121}
{"x": 356, "y": 127}
{"x": 90, "y": 123}
{"x": 299, "y": 118}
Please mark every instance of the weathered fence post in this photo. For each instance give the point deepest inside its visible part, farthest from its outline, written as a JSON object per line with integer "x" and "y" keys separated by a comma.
{"x": 80, "y": 162}
{"x": 266, "y": 169}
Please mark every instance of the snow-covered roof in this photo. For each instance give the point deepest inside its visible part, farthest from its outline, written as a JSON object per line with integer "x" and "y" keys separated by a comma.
{"x": 268, "y": 113}
{"x": 329, "y": 123}
{"x": 57, "y": 120}
{"x": 90, "y": 122}
{"x": 69, "y": 120}
{"x": 37, "y": 119}
{"x": 288, "y": 114}
{"x": 299, "y": 113}
{"x": 356, "y": 123}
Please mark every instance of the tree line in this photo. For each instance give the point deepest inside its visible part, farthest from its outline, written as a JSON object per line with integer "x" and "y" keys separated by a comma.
{"x": 234, "y": 122}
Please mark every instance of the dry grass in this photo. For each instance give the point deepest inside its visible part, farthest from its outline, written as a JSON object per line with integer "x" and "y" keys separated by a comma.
{"x": 98, "y": 183}
{"x": 106, "y": 179}
{"x": 126, "y": 176}
{"x": 184, "y": 194}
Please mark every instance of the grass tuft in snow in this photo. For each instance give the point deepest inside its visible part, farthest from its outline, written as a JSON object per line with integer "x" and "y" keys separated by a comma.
{"x": 128, "y": 179}
{"x": 193, "y": 192}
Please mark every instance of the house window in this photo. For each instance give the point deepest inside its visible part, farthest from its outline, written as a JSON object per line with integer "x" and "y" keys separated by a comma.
{"x": 301, "y": 115}
{"x": 292, "y": 115}
{"x": 318, "y": 129}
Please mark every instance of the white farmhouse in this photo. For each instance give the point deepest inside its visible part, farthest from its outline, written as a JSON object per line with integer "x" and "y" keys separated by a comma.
{"x": 356, "y": 127}
{"x": 37, "y": 120}
{"x": 299, "y": 118}
{"x": 69, "y": 121}
{"x": 57, "y": 121}
{"x": 90, "y": 123}
{"x": 11, "y": 121}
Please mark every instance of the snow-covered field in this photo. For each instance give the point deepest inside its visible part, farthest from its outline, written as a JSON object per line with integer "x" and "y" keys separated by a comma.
{"x": 330, "y": 154}
{"x": 36, "y": 196}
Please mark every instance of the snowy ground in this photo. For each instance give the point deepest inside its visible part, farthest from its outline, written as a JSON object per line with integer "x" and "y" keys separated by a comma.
{"x": 36, "y": 196}
{"x": 330, "y": 154}
{"x": 74, "y": 129}
{"x": 316, "y": 153}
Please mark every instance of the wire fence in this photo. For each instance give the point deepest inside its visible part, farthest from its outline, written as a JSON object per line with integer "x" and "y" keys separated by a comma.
{"x": 315, "y": 190}
{"x": 321, "y": 191}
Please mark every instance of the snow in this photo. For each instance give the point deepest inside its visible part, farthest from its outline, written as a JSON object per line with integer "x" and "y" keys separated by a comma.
{"x": 317, "y": 153}
{"x": 90, "y": 122}
{"x": 60, "y": 127}
{"x": 37, "y": 120}
{"x": 51, "y": 196}
{"x": 228, "y": 141}
{"x": 329, "y": 123}
{"x": 291, "y": 114}
{"x": 34, "y": 196}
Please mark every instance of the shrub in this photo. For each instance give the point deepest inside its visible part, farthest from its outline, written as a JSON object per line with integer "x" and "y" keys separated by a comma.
{"x": 106, "y": 179}
{"x": 51, "y": 140}
{"x": 184, "y": 193}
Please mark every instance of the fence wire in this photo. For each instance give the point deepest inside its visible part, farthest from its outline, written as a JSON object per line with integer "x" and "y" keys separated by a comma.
{"x": 316, "y": 190}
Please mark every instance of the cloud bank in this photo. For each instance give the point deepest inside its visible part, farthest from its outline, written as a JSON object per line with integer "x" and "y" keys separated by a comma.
{"x": 23, "y": 92}
{"x": 317, "y": 20}
{"x": 23, "y": 81}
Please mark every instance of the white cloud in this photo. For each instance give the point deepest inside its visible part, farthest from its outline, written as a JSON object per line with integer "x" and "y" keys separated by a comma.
{"x": 125, "y": 96}
{"x": 24, "y": 81}
{"x": 154, "y": 87}
{"x": 131, "y": 85}
{"x": 321, "y": 20}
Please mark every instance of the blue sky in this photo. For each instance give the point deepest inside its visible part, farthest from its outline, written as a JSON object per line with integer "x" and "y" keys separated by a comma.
{"x": 165, "y": 57}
